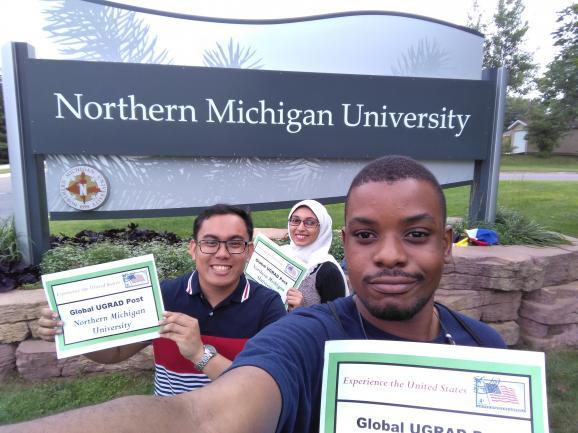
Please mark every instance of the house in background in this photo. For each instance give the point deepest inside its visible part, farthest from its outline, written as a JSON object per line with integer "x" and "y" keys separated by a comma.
{"x": 516, "y": 135}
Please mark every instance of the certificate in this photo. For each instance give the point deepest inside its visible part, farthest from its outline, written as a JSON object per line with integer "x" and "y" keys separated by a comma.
{"x": 385, "y": 386}
{"x": 272, "y": 268}
{"x": 105, "y": 305}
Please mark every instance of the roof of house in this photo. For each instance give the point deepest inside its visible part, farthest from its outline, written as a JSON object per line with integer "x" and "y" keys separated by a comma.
{"x": 516, "y": 123}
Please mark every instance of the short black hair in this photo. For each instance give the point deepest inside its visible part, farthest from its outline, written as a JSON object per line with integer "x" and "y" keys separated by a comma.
{"x": 392, "y": 168}
{"x": 223, "y": 209}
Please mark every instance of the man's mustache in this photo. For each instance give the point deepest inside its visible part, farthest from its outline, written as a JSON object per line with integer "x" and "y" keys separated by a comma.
{"x": 386, "y": 272}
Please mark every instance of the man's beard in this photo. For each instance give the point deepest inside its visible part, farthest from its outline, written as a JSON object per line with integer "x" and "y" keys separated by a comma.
{"x": 393, "y": 312}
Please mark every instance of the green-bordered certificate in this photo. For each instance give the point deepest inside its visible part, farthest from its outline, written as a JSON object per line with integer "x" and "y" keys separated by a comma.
{"x": 385, "y": 386}
{"x": 105, "y": 305}
{"x": 273, "y": 268}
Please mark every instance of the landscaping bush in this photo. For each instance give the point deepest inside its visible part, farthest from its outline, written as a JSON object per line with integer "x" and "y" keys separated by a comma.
{"x": 336, "y": 249}
{"x": 513, "y": 228}
{"x": 13, "y": 273}
{"x": 171, "y": 260}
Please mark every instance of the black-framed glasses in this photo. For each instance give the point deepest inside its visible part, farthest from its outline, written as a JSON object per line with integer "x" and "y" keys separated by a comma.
{"x": 307, "y": 222}
{"x": 233, "y": 246}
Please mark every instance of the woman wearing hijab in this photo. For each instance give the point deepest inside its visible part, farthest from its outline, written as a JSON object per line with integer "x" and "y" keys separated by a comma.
{"x": 310, "y": 233}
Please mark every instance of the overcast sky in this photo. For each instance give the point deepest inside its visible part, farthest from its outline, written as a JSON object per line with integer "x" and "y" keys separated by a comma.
{"x": 22, "y": 20}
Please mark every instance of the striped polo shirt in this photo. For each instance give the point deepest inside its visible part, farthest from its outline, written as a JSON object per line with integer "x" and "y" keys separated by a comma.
{"x": 228, "y": 326}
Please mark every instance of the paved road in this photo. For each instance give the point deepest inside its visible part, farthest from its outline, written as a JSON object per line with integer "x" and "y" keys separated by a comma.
{"x": 522, "y": 175}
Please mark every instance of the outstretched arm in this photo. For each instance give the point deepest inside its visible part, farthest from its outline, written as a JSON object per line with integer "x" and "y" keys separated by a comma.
{"x": 223, "y": 406}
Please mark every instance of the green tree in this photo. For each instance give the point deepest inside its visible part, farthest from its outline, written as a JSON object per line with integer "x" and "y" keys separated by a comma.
{"x": 518, "y": 108}
{"x": 559, "y": 85}
{"x": 503, "y": 46}
{"x": 544, "y": 130}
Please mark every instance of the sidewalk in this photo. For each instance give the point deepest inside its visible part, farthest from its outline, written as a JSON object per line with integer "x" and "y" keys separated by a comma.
{"x": 527, "y": 175}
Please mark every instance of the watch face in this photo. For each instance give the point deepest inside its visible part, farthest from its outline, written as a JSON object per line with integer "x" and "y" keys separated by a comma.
{"x": 210, "y": 349}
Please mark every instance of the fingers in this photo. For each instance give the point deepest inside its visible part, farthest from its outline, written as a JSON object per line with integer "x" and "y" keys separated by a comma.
{"x": 294, "y": 298}
{"x": 184, "y": 331}
{"x": 175, "y": 325}
{"x": 174, "y": 320}
{"x": 49, "y": 325}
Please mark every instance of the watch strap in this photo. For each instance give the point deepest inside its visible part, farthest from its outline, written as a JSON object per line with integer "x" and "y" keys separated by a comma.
{"x": 209, "y": 353}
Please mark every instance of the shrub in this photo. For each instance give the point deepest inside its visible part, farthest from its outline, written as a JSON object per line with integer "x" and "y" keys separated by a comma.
{"x": 9, "y": 251}
{"x": 105, "y": 252}
{"x": 171, "y": 260}
{"x": 13, "y": 272}
{"x": 507, "y": 145}
{"x": 62, "y": 258}
{"x": 336, "y": 249}
{"x": 513, "y": 228}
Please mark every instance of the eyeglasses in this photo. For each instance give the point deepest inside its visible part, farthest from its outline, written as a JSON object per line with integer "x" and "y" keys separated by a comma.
{"x": 307, "y": 222}
{"x": 233, "y": 246}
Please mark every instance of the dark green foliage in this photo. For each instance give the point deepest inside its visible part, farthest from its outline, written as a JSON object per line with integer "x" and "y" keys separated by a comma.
{"x": 544, "y": 130}
{"x": 518, "y": 108}
{"x": 12, "y": 272}
{"x": 130, "y": 235}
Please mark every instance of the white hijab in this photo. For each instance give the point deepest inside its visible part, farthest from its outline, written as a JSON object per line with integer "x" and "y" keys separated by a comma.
{"x": 318, "y": 251}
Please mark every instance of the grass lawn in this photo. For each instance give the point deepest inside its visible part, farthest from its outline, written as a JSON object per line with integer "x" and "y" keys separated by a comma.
{"x": 552, "y": 204}
{"x": 22, "y": 400}
{"x": 562, "y": 387}
{"x": 536, "y": 163}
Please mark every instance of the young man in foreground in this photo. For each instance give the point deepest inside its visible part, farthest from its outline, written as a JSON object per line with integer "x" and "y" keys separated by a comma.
{"x": 396, "y": 244}
{"x": 211, "y": 313}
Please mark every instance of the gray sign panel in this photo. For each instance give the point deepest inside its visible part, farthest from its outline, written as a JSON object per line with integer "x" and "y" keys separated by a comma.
{"x": 99, "y": 108}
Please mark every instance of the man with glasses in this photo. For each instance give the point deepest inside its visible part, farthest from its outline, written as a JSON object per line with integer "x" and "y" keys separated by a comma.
{"x": 211, "y": 312}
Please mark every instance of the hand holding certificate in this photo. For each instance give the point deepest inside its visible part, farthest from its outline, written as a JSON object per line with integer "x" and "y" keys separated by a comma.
{"x": 105, "y": 305}
{"x": 272, "y": 268}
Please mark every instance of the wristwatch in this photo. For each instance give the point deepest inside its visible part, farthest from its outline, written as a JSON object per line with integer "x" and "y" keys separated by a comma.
{"x": 208, "y": 354}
